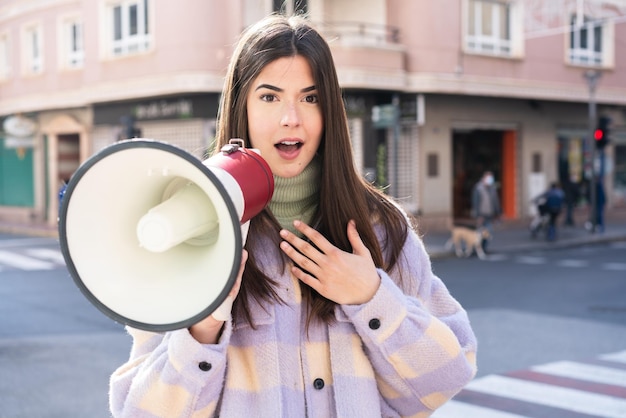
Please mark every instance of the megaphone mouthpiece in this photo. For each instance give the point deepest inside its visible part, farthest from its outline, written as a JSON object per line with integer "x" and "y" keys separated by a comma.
{"x": 188, "y": 214}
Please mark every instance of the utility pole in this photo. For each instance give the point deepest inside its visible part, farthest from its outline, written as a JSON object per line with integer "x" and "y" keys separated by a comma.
{"x": 592, "y": 77}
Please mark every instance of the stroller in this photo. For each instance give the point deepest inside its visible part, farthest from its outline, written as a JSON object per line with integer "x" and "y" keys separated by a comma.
{"x": 540, "y": 223}
{"x": 548, "y": 208}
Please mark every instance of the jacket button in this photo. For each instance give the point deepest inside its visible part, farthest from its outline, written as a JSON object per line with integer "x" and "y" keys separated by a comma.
{"x": 204, "y": 366}
{"x": 318, "y": 383}
{"x": 374, "y": 323}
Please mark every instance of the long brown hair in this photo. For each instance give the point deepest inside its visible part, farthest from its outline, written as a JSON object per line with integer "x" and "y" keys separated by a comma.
{"x": 344, "y": 194}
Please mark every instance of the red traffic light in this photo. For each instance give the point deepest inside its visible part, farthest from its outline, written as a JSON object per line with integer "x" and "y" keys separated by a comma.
{"x": 598, "y": 134}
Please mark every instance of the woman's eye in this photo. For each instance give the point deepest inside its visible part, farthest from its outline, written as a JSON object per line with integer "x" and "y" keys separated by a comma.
{"x": 268, "y": 97}
{"x": 311, "y": 98}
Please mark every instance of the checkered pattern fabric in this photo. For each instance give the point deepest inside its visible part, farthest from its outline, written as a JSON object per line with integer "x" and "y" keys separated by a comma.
{"x": 404, "y": 353}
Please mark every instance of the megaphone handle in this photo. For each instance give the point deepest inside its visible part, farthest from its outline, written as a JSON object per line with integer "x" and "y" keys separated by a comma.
{"x": 223, "y": 312}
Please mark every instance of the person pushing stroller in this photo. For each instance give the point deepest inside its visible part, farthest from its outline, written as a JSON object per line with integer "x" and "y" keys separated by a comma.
{"x": 549, "y": 205}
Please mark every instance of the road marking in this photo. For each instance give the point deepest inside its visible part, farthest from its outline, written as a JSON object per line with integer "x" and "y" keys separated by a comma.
{"x": 573, "y": 263}
{"x": 549, "y": 395}
{"x": 23, "y": 262}
{"x": 619, "y": 357}
{"x": 9, "y": 243}
{"x": 47, "y": 254}
{"x": 453, "y": 409}
{"x": 497, "y": 257}
{"x": 587, "y": 372}
{"x": 559, "y": 389}
{"x": 614, "y": 266}
{"x": 524, "y": 259}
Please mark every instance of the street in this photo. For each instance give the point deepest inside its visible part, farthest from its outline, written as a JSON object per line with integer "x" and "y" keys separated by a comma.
{"x": 554, "y": 312}
{"x": 56, "y": 350}
{"x": 533, "y": 312}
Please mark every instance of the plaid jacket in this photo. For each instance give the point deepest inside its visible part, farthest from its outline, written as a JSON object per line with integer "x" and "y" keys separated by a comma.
{"x": 404, "y": 353}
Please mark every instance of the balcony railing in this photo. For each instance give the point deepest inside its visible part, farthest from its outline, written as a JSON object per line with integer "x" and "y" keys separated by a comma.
{"x": 360, "y": 34}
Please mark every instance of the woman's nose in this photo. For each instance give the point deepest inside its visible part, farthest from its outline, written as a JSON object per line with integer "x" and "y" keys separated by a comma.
{"x": 290, "y": 116}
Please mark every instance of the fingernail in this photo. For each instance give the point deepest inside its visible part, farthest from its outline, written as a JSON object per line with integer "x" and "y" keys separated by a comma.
{"x": 296, "y": 223}
{"x": 284, "y": 233}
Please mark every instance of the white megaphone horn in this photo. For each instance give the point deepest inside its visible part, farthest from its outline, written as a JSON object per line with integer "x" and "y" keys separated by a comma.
{"x": 153, "y": 236}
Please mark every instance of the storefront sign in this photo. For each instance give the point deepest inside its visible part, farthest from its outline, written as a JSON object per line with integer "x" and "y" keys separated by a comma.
{"x": 164, "y": 109}
{"x": 20, "y": 132}
{"x": 159, "y": 108}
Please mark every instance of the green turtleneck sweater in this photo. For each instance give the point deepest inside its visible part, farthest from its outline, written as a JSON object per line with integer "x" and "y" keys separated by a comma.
{"x": 296, "y": 197}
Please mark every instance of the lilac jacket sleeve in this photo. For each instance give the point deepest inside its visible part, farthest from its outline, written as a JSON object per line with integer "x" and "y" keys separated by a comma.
{"x": 169, "y": 375}
{"x": 416, "y": 335}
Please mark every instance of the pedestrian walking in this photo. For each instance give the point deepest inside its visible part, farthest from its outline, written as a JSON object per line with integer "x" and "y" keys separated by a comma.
{"x": 549, "y": 205}
{"x": 485, "y": 204}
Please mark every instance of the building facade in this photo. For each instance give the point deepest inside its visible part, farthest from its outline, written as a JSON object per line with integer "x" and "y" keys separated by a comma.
{"x": 436, "y": 91}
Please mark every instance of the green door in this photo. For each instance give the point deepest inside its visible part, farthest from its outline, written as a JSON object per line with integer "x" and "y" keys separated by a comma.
{"x": 16, "y": 176}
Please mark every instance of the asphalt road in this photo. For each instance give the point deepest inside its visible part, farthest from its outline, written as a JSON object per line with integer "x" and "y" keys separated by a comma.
{"x": 551, "y": 329}
{"x": 57, "y": 351}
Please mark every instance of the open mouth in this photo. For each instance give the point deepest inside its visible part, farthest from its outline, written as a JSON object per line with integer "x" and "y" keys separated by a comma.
{"x": 288, "y": 146}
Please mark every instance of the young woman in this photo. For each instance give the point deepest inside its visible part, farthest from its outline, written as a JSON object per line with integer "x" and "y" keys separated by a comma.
{"x": 337, "y": 312}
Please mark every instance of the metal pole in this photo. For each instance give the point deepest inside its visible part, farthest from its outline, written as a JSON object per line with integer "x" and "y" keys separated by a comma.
{"x": 396, "y": 140}
{"x": 592, "y": 77}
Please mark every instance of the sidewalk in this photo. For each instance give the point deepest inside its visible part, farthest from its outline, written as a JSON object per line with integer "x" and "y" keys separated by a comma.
{"x": 514, "y": 236}
{"x": 508, "y": 236}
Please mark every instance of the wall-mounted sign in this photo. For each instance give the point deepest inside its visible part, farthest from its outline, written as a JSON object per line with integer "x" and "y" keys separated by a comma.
{"x": 164, "y": 109}
{"x": 20, "y": 132}
{"x": 19, "y": 126}
{"x": 161, "y": 108}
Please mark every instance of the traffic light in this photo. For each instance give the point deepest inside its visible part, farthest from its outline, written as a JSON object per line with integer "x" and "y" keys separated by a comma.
{"x": 601, "y": 134}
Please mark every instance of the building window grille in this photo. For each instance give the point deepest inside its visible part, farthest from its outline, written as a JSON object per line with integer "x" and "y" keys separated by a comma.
{"x": 290, "y": 7}
{"x": 129, "y": 27}
{"x": 585, "y": 42}
{"x": 5, "y": 62}
{"x": 489, "y": 27}
{"x": 33, "y": 50}
{"x": 73, "y": 44}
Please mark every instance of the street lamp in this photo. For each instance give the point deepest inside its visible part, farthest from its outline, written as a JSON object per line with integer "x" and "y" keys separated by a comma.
{"x": 592, "y": 77}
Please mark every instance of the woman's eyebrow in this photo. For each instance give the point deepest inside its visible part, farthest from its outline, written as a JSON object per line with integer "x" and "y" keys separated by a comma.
{"x": 278, "y": 89}
{"x": 269, "y": 87}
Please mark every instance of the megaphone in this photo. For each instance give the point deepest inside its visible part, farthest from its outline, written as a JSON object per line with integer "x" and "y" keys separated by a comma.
{"x": 153, "y": 236}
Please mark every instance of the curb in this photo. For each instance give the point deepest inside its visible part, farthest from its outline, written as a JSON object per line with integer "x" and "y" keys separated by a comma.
{"x": 29, "y": 231}
{"x": 437, "y": 252}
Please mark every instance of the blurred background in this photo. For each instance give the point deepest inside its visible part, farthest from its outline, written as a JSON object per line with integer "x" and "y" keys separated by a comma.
{"x": 436, "y": 91}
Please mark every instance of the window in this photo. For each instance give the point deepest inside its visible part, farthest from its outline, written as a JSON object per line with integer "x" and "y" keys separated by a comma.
{"x": 72, "y": 43}
{"x": 290, "y": 7}
{"x": 5, "y": 57}
{"x": 32, "y": 49}
{"x": 128, "y": 27}
{"x": 586, "y": 40}
{"x": 493, "y": 28}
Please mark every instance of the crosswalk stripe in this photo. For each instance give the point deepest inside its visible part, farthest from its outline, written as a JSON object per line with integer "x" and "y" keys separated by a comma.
{"x": 573, "y": 263}
{"x": 549, "y": 395}
{"x": 453, "y": 409}
{"x": 47, "y": 254}
{"x": 497, "y": 257}
{"x": 614, "y": 266}
{"x": 619, "y": 357}
{"x": 588, "y": 372}
{"x": 569, "y": 382}
{"x": 531, "y": 260}
{"x": 23, "y": 262}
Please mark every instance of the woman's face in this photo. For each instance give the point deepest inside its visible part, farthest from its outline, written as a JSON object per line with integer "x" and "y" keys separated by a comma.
{"x": 284, "y": 116}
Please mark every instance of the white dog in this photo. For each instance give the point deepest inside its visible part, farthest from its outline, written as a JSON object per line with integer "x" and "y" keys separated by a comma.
{"x": 470, "y": 239}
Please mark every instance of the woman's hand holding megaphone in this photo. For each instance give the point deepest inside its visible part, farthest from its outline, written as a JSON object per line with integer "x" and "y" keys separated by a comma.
{"x": 209, "y": 329}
